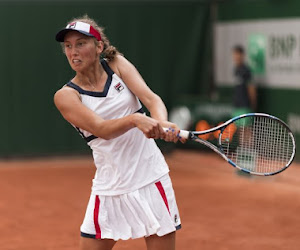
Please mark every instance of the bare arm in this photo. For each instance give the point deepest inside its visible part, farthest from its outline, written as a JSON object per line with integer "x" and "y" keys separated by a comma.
{"x": 70, "y": 106}
{"x": 152, "y": 101}
{"x": 137, "y": 85}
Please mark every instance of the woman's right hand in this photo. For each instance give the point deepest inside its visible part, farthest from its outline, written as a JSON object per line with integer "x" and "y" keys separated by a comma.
{"x": 149, "y": 126}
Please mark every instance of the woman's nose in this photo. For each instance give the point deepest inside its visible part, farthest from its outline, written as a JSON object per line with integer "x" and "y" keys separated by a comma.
{"x": 74, "y": 51}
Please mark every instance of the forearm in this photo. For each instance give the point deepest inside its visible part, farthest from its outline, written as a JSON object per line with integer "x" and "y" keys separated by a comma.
{"x": 109, "y": 129}
{"x": 158, "y": 110}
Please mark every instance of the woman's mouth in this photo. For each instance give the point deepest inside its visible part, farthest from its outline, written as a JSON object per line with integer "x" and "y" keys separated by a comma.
{"x": 76, "y": 61}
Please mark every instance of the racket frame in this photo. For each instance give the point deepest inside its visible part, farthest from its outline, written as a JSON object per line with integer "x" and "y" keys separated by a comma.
{"x": 193, "y": 135}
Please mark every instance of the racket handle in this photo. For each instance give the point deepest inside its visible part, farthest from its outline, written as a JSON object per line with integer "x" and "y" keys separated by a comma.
{"x": 182, "y": 133}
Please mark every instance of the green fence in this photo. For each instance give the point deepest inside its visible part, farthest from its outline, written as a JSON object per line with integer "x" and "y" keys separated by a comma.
{"x": 166, "y": 40}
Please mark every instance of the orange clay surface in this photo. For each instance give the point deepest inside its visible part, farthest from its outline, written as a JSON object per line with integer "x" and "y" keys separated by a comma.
{"x": 42, "y": 204}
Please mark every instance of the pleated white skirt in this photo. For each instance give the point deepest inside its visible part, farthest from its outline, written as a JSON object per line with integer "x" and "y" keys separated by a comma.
{"x": 141, "y": 213}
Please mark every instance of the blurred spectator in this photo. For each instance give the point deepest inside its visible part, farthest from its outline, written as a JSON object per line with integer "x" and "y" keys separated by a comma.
{"x": 244, "y": 95}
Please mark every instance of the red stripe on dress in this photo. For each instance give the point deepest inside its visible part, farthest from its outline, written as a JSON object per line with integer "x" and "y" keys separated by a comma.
{"x": 163, "y": 194}
{"x": 96, "y": 216}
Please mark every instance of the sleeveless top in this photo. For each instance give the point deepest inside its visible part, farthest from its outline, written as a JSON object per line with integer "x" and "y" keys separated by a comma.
{"x": 130, "y": 161}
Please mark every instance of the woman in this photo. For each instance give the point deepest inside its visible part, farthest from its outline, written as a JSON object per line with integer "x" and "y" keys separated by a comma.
{"x": 132, "y": 194}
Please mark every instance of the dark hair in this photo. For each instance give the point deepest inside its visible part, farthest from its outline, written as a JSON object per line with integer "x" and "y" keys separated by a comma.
{"x": 239, "y": 48}
{"x": 109, "y": 51}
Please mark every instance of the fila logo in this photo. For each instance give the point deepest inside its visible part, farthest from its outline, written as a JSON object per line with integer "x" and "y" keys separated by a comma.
{"x": 119, "y": 87}
{"x": 175, "y": 218}
{"x": 72, "y": 25}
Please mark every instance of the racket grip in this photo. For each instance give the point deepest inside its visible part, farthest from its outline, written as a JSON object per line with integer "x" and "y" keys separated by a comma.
{"x": 182, "y": 133}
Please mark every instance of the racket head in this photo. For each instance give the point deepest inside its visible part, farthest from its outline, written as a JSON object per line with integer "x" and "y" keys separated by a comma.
{"x": 258, "y": 144}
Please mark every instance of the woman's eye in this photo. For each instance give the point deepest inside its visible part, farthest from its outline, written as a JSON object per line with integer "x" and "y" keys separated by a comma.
{"x": 67, "y": 46}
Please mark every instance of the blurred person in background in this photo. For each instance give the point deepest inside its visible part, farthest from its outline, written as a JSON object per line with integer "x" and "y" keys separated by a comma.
{"x": 244, "y": 101}
{"x": 244, "y": 93}
{"x": 132, "y": 194}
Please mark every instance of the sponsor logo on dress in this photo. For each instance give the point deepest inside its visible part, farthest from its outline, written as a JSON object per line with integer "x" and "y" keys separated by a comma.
{"x": 175, "y": 218}
{"x": 119, "y": 87}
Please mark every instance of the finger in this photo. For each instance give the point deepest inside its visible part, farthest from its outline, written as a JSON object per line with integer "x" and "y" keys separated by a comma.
{"x": 156, "y": 132}
{"x": 169, "y": 135}
{"x": 182, "y": 140}
{"x": 153, "y": 135}
{"x": 175, "y": 139}
{"x": 162, "y": 133}
{"x": 175, "y": 136}
{"x": 148, "y": 133}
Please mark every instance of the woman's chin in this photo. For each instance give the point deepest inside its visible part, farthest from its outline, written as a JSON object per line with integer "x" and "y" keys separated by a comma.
{"x": 78, "y": 68}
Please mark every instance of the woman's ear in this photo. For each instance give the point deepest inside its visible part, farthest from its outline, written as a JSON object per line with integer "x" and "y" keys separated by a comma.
{"x": 100, "y": 47}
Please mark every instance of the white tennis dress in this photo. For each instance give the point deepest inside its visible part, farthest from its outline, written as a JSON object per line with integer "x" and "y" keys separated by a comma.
{"x": 132, "y": 194}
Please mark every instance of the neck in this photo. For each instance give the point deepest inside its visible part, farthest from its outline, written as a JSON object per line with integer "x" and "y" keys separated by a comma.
{"x": 90, "y": 78}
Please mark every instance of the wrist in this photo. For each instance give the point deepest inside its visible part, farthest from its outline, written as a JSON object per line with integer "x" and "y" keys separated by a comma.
{"x": 133, "y": 119}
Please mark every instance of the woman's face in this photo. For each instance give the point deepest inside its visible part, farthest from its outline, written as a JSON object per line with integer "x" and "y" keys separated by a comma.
{"x": 81, "y": 51}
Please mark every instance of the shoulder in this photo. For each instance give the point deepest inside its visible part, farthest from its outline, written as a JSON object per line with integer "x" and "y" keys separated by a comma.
{"x": 64, "y": 94}
{"x": 66, "y": 90}
{"x": 118, "y": 60}
{"x": 119, "y": 64}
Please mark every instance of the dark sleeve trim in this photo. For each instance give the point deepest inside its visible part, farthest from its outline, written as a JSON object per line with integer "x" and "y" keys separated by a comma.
{"x": 87, "y": 139}
{"x": 141, "y": 110}
{"x": 106, "y": 67}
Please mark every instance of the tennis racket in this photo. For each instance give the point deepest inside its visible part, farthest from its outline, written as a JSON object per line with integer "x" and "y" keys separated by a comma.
{"x": 255, "y": 143}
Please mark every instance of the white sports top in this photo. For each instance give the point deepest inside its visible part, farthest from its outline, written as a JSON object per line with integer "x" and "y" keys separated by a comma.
{"x": 130, "y": 161}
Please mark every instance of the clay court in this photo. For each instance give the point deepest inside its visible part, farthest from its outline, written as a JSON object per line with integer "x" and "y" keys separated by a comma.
{"x": 43, "y": 203}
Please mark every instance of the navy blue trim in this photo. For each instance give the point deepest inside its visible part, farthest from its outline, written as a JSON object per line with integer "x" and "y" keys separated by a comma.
{"x": 74, "y": 86}
{"x": 141, "y": 110}
{"x": 92, "y": 93}
{"x": 106, "y": 67}
{"x": 93, "y": 236}
{"x": 90, "y": 138}
{"x": 87, "y": 235}
{"x": 79, "y": 131}
{"x": 109, "y": 72}
{"x": 87, "y": 139}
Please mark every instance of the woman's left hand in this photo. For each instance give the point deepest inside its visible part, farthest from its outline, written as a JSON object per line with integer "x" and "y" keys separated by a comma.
{"x": 173, "y": 132}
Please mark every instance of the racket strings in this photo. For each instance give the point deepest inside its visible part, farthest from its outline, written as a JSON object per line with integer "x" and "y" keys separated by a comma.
{"x": 258, "y": 144}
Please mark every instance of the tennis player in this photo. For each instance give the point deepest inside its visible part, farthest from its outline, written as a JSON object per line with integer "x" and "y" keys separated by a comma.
{"x": 132, "y": 194}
